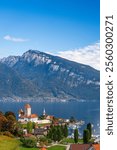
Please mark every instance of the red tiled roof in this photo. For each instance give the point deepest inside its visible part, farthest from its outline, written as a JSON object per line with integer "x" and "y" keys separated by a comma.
{"x": 27, "y": 106}
{"x": 31, "y": 116}
{"x": 43, "y": 148}
{"x": 96, "y": 146}
{"x": 80, "y": 146}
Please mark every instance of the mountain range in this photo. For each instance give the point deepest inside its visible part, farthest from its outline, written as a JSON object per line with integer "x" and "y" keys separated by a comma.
{"x": 39, "y": 76}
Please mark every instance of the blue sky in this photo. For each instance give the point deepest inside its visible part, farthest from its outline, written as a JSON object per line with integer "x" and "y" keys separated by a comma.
{"x": 52, "y": 26}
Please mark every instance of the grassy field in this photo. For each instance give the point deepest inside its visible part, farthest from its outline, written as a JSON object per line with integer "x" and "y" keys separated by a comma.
{"x": 67, "y": 140}
{"x": 7, "y": 143}
{"x": 70, "y": 140}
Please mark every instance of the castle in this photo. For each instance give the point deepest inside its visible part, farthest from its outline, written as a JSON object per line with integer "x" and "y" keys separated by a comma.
{"x": 26, "y": 115}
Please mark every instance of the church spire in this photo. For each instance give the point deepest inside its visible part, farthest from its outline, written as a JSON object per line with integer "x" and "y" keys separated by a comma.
{"x": 44, "y": 112}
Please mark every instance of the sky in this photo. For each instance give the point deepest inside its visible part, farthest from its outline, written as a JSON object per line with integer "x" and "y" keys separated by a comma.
{"x": 67, "y": 28}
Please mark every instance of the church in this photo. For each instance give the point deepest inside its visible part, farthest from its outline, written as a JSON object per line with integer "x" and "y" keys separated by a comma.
{"x": 26, "y": 115}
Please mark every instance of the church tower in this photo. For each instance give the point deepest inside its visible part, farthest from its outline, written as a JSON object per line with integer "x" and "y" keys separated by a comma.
{"x": 44, "y": 112}
{"x": 27, "y": 110}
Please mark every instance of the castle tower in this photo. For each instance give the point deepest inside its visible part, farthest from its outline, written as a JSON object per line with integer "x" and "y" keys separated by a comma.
{"x": 21, "y": 112}
{"x": 27, "y": 110}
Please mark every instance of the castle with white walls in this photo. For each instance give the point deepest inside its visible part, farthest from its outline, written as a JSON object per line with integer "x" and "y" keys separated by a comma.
{"x": 26, "y": 116}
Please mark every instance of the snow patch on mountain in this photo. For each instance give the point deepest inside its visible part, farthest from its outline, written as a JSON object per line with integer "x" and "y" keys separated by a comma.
{"x": 54, "y": 67}
{"x": 10, "y": 61}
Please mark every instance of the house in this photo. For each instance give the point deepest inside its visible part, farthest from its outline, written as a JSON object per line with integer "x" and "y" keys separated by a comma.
{"x": 96, "y": 146}
{"x": 40, "y": 131}
{"x": 80, "y": 146}
{"x": 84, "y": 147}
{"x": 26, "y": 115}
{"x": 48, "y": 117}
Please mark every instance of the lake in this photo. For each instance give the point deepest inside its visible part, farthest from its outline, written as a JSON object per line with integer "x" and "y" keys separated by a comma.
{"x": 86, "y": 111}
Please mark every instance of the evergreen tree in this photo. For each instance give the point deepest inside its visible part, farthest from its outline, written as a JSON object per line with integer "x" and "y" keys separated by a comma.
{"x": 59, "y": 133}
{"x": 65, "y": 131}
{"x": 54, "y": 133}
{"x": 76, "y": 135}
{"x": 86, "y": 136}
{"x": 62, "y": 129}
{"x": 90, "y": 130}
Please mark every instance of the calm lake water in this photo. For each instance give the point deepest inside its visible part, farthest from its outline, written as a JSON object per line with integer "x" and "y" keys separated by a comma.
{"x": 86, "y": 111}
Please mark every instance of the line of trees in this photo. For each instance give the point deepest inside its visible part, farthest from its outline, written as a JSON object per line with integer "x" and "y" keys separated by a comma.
{"x": 87, "y": 133}
{"x": 57, "y": 133}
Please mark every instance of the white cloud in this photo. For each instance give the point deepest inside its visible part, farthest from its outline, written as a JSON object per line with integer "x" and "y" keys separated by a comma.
{"x": 14, "y": 39}
{"x": 89, "y": 55}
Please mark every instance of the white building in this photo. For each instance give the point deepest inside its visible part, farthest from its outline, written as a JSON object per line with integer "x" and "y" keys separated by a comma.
{"x": 26, "y": 115}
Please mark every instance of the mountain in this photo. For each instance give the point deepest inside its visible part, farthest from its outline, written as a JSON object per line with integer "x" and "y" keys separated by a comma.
{"x": 55, "y": 78}
{"x": 13, "y": 86}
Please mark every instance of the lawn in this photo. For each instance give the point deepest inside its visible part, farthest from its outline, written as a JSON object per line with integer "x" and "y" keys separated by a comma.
{"x": 67, "y": 140}
{"x": 70, "y": 140}
{"x": 80, "y": 141}
{"x": 8, "y": 143}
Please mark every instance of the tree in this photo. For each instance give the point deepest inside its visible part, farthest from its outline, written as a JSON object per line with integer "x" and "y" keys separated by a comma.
{"x": 3, "y": 122}
{"x": 86, "y": 136}
{"x": 76, "y": 135}
{"x": 11, "y": 123}
{"x": 11, "y": 118}
{"x": 59, "y": 133}
{"x": 29, "y": 127}
{"x": 65, "y": 131}
{"x": 49, "y": 134}
{"x": 7, "y": 122}
{"x": 9, "y": 113}
{"x": 90, "y": 130}
{"x": 55, "y": 133}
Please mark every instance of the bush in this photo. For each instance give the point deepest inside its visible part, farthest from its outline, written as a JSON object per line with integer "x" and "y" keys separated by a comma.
{"x": 49, "y": 141}
{"x": 22, "y": 139}
{"x": 29, "y": 142}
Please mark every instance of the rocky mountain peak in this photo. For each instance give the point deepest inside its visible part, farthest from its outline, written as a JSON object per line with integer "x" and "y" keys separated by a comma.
{"x": 37, "y": 57}
{"x": 10, "y": 61}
